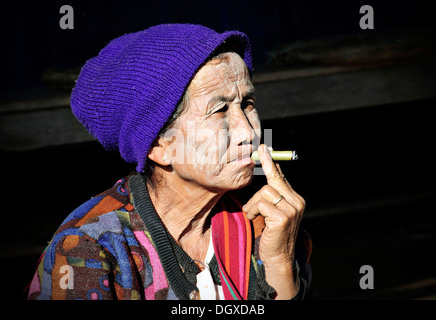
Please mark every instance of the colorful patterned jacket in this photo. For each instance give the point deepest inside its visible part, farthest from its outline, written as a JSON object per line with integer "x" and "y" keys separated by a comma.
{"x": 114, "y": 246}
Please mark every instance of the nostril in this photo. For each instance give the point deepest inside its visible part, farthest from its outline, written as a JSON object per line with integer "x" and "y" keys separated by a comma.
{"x": 244, "y": 142}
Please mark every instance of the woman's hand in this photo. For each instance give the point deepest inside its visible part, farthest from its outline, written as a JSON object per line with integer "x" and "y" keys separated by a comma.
{"x": 282, "y": 209}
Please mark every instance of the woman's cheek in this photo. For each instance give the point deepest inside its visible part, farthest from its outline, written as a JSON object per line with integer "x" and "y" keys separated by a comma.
{"x": 253, "y": 118}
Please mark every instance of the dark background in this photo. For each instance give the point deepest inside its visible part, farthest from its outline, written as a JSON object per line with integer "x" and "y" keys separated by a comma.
{"x": 33, "y": 41}
{"x": 367, "y": 172}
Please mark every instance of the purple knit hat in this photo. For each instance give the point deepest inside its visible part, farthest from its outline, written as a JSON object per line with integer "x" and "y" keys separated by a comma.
{"x": 126, "y": 94}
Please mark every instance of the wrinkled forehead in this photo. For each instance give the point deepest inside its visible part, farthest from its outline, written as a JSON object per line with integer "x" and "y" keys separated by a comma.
{"x": 220, "y": 74}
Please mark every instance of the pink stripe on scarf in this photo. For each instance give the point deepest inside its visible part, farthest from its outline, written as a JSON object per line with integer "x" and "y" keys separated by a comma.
{"x": 35, "y": 285}
{"x": 242, "y": 247}
{"x": 159, "y": 278}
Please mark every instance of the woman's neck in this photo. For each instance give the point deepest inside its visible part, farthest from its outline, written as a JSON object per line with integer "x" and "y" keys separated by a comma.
{"x": 184, "y": 208}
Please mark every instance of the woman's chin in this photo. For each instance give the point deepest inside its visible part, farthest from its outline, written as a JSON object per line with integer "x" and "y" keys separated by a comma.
{"x": 238, "y": 180}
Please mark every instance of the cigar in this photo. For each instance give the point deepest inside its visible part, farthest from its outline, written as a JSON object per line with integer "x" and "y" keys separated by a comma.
{"x": 278, "y": 155}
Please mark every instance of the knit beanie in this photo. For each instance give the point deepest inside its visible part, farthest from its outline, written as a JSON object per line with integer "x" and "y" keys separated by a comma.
{"x": 126, "y": 94}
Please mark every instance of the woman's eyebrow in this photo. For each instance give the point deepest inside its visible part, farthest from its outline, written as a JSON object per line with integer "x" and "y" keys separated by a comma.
{"x": 250, "y": 94}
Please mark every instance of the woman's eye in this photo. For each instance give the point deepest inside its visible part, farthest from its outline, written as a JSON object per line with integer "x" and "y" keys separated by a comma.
{"x": 248, "y": 104}
{"x": 223, "y": 109}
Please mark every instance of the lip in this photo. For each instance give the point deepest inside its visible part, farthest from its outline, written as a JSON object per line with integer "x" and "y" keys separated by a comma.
{"x": 246, "y": 159}
{"x": 241, "y": 155}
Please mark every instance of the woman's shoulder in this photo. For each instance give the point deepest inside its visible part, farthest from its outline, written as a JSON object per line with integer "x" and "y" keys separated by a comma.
{"x": 105, "y": 204}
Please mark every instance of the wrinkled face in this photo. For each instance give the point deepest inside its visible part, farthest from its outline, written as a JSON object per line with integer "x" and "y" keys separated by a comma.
{"x": 213, "y": 138}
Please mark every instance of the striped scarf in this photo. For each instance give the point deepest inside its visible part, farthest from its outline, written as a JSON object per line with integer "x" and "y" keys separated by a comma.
{"x": 232, "y": 241}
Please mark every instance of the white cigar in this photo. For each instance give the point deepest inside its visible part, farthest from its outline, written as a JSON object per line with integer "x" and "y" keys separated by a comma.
{"x": 278, "y": 155}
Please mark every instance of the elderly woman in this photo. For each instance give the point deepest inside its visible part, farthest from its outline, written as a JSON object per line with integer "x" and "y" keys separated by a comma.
{"x": 178, "y": 102}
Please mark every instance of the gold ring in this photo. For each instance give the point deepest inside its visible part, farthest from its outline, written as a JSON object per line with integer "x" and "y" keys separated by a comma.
{"x": 275, "y": 202}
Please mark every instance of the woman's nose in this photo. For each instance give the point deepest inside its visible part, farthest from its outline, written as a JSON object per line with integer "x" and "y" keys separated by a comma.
{"x": 240, "y": 129}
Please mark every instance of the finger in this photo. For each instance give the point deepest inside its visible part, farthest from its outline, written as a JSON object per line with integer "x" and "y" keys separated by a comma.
{"x": 289, "y": 208}
{"x": 268, "y": 164}
{"x": 264, "y": 208}
{"x": 276, "y": 178}
{"x": 273, "y": 175}
{"x": 279, "y": 169}
{"x": 267, "y": 193}
{"x": 288, "y": 184}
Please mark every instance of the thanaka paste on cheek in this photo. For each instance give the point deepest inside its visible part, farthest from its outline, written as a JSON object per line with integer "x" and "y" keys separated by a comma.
{"x": 212, "y": 140}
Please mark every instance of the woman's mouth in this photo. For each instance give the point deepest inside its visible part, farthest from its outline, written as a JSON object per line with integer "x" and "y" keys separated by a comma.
{"x": 243, "y": 160}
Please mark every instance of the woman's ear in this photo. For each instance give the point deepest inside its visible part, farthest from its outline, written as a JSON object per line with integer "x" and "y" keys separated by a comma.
{"x": 157, "y": 152}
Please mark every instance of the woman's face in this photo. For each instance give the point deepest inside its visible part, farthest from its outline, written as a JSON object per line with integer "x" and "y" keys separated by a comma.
{"x": 213, "y": 138}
